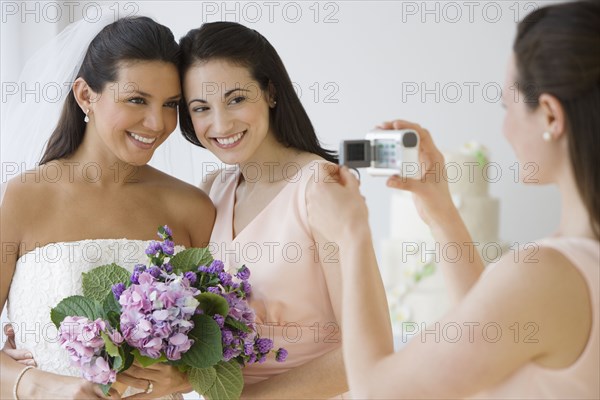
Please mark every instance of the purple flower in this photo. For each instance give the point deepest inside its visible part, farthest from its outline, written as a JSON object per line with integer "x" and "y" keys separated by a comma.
{"x": 156, "y": 316}
{"x": 281, "y": 355}
{"x": 118, "y": 290}
{"x": 98, "y": 371}
{"x": 246, "y": 287}
{"x": 216, "y": 266}
{"x": 248, "y": 349}
{"x": 167, "y": 233}
{"x": 264, "y": 345}
{"x": 239, "y": 309}
{"x": 225, "y": 279}
{"x": 243, "y": 273}
{"x": 191, "y": 277}
{"x": 262, "y": 359}
{"x": 251, "y": 359}
{"x": 220, "y": 320}
{"x": 215, "y": 290}
{"x": 154, "y": 271}
{"x": 227, "y": 336}
{"x": 153, "y": 248}
{"x": 168, "y": 268}
{"x": 168, "y": 247}
{"x": 81, "y": 338}
{"x": 228, "y": 354}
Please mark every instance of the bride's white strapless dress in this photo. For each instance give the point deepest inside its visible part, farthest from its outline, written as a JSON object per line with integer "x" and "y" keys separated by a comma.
{"x": 48, "y": 274}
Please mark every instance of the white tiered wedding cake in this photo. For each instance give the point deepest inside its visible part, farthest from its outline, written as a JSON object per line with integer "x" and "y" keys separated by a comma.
{"x": 415, "y": 287}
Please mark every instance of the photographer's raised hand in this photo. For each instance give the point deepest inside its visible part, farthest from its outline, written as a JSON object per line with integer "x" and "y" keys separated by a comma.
{"x": 434, "y": 203}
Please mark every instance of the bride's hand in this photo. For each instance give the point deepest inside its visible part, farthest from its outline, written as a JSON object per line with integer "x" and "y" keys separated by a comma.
{"x": 161, "y": 378}
{"x": 22, "y": 356}
{"x": 430, "y": 192}
{"x": 38, "y": 384}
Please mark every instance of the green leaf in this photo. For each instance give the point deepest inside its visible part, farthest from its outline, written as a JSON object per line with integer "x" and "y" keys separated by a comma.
{"x": 126, "y": 353}
{"x": 190, "y": 259}
{"x": 106, "y": 388}
{"x": 117, "y": 363}
{"x": 212, "y": 303}
{"x": 111, "y": 348}
{"x": 98, "y": 282}
{"x": 229, "y": 382}
{"x": 235, "y": 324}
{"x": 75, "y": 306}
{"x": 202, "y": 379}
{"x": 147, "y": 361}
{"x": 207, "y": 349}
{"x": 110, "y": 304}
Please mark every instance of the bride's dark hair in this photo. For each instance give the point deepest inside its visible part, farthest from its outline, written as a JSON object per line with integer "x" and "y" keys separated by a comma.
{"x": 127, "y": 39}
{"x": 246, "y": 47}
{"x": 557, "y": 51}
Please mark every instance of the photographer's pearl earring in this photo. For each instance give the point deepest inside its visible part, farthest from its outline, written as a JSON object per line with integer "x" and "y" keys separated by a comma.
{"x": 547, "y": 136}
{"x": 86, "y": 119}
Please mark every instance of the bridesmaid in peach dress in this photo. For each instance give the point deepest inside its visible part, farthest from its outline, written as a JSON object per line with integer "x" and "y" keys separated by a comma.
{"x": 241, "y": 105}
{"x": 541, "y": 302}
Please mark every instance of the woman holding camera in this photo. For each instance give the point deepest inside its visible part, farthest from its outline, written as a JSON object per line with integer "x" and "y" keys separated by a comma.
{"x": 545, "y": 303}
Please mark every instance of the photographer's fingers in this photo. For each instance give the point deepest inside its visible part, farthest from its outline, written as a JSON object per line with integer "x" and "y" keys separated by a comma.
{"x": 402, "y": 183}
{"x": 347, "y": 178}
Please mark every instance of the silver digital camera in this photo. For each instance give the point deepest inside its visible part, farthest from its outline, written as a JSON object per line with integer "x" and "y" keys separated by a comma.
{"x": 384, "y": 153}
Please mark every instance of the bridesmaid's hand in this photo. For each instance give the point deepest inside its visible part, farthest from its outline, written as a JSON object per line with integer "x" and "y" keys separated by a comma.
{"x": 22, "y": 356}
{"x": 430, "y": 192}
{"x": 163, "y": 379}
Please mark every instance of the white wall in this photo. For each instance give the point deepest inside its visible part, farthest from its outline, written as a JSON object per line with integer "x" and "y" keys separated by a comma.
{"x": 363, "y": 56}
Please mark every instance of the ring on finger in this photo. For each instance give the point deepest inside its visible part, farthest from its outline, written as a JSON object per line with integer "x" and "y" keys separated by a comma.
{"x": 150, "y": 388}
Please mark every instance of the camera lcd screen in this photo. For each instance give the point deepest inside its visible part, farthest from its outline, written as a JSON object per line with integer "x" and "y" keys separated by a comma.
{"x": 355, "y": 152}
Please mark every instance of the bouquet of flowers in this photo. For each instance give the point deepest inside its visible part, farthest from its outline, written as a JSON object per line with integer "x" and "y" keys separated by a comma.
{"x": 183, "y": 309}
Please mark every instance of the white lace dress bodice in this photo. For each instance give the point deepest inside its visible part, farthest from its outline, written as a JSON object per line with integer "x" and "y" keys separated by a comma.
{"x": 45, "y": 276}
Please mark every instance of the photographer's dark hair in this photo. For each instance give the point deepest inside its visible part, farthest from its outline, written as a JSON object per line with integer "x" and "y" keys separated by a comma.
{"x": 127, "y": 39}
{"x": 243, "y": 46}
{"x": 557, "y": 51}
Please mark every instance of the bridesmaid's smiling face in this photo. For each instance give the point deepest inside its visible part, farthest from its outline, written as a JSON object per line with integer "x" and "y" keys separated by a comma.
{"x": 138, "y": 112}
{"x": 229, "y": 111}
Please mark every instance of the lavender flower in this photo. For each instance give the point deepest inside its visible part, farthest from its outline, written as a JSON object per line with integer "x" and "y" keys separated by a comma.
{"x": 81, "y": 338}
{"x": 156, "y": 315}
{"x": 191, "y": 277}
{"x": 99, "y": 371}
{"x": 216, "y": 266}
{"x": 168, "y": 247}
{"x": 166, "y": 234}
{"x": 243, "y": 273}
{"x": 225, "y": 279}
{"x": 281, "y": 355}
{"x": 118, "y": 290}
{"x": 220, "y": 320}
{"x": 153, "y": 248}
{"x": 264, "y": 345}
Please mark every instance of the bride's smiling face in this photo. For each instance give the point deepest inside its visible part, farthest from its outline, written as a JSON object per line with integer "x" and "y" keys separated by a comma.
{"x": 138, "y": 112}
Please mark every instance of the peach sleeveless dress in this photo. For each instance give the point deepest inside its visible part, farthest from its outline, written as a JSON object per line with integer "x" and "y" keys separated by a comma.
{"x": 580, "y": 380}
{"x": 289, "y": 291}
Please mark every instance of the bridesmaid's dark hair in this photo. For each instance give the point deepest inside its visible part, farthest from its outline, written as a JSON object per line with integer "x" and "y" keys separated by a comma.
{"x": 246, "y": 47}
{"x": 127, "y": 39}
{"x": 557, "y": 51}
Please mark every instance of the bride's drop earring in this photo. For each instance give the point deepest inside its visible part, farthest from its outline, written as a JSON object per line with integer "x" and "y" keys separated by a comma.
{"x": 547, "y": 136}
{"x": 86, "y": 119}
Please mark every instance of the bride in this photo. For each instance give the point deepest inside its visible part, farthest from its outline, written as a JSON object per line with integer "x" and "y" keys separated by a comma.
{"x": 93, "y": 201}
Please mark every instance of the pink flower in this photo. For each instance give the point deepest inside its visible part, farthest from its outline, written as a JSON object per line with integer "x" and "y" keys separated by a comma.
{"x": 156, "y": 316}
{"x": 99, "y": 372}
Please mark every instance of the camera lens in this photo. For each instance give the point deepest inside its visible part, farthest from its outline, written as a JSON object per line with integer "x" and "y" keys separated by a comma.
{"x": 410, "y": 139}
